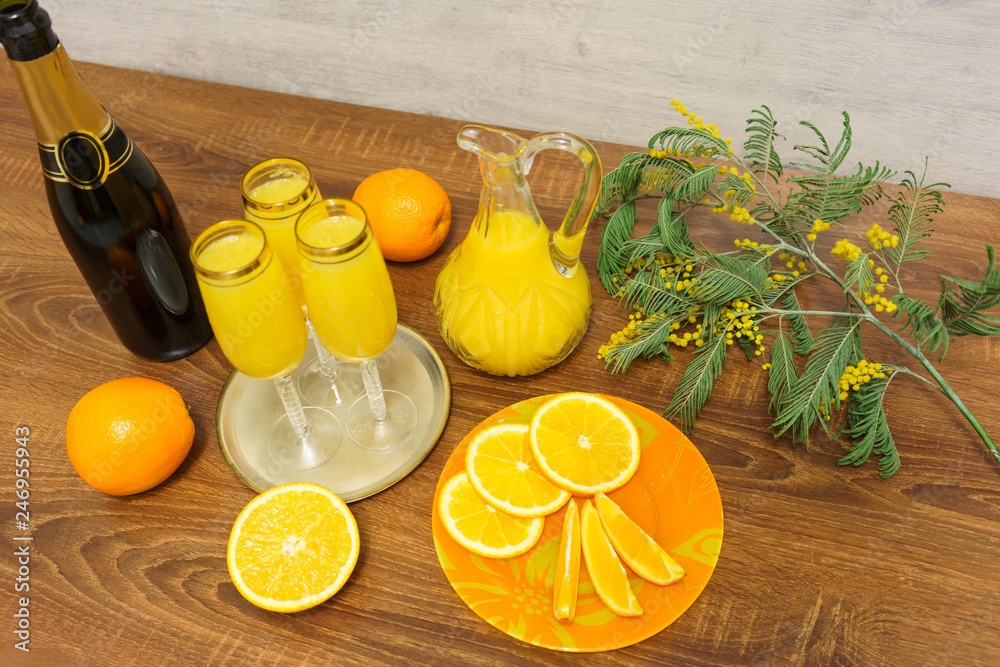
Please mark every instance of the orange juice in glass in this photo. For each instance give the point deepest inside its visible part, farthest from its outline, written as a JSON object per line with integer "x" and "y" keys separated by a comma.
{"x": 275, "y": 192}
{"x": 352, "y": 305}
{"x": 352, "y": 299}
{"x": 261, "y": 329}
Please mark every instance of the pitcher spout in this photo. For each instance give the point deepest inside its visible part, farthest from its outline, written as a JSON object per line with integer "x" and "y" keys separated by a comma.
{"x": 492, "y": 144}
{"x": 505, "y": 189}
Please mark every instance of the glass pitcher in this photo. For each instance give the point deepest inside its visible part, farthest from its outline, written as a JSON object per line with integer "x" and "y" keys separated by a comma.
{"x": 513, "y": 298}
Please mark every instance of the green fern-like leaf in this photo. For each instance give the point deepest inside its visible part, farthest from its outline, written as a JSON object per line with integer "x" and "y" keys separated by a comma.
{"x": 649, "y": 290}
{"x": 759, "y": 146}
{"x": 695, "y": 387}
{"x": 859, "y": 275}
{"x": 697, "y": 184}
{"x": 962, "y": 302}
{"x": 640, "y": 249}
{"x": 650, "y": 341}
{"x": 802, "y": 338}
{"x": 782, "y": 376}
{"x": 824, "y": 195}
{"x": 828, "y": 160}
{"x": 614, "y": 254}
{"x": 848, "y": 318}
{"x": 922, "y": 321}
{"x": 678, "y": 178}
{"x": 777, "y": 291}
{"x": 673, "y": 230}
{"x": 869, "y": 429}
{"x": 911, "y": 213}
{"x": 622, "y": 184}
{"x": 832, "y": 198}
{"x": 747, "y": 345}
{"x": 711, "y": 313}
{"x": 725, "y": 278}
{"x": 685, "y": 140}
{"x": 742, "y": 192}
{"x": 818, "y": 387}
{"x": 663, "y": 173}
{"x": 771, "y": 216}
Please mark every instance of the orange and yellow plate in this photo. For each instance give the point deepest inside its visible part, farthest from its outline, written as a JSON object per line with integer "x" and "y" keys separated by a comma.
{"x": 673, "y": 497}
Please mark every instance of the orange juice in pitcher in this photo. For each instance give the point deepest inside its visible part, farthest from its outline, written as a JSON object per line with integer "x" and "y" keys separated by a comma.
{"x": 514, "y": 298}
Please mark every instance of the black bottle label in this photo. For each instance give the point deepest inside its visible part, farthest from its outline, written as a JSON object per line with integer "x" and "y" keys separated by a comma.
{"x": 84, "y": 159}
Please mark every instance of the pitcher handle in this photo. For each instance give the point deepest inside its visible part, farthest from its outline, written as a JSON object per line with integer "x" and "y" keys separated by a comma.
{"x": 567, "y": 241}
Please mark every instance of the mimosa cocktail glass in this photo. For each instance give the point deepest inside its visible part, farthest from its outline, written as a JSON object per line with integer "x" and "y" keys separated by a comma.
{"x": 261, "y": 329}
{"x": 349, "y": 295}
{"x": 275, "y": 192}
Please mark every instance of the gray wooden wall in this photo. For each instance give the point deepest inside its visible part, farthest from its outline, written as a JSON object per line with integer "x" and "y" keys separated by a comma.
{"x": 918, "y": 77}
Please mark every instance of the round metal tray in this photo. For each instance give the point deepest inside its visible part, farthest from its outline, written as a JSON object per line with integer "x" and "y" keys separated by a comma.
{"x": 247, "y": 408}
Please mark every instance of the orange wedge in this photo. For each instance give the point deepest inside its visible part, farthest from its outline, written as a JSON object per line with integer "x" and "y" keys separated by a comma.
{"x": 292, "y": 547}
{"x": 606, "y": 571}
{"x": 568, "y": 566}
{"x": 639, "y": 551}
{"x": 501, "y": 466}
{"x": 584, "y": 443}
{"x": 480, "y": 527}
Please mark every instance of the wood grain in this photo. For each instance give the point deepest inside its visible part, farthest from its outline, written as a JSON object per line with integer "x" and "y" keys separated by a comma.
{"x": 821, "y": 565}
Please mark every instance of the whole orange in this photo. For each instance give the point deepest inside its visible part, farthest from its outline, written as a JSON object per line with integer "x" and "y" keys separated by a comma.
{"x": 128, "y": 435}
{"x": 408, "y": 211}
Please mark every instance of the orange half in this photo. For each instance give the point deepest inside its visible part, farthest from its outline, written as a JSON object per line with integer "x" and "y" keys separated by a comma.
{"x": 292, "y": 547}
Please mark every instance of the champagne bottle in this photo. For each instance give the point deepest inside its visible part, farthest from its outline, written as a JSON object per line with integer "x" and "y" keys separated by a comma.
{"x": 111, "y": 207}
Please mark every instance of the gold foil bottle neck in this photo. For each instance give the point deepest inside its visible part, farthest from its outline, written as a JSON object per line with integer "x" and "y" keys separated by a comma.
{"x": 58, "y": 100}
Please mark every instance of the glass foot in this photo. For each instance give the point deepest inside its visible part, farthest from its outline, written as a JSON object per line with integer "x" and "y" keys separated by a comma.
{"x": 323, "y": 441}
{"x": 317, "y": 389}
{"x": 390, "y": 433}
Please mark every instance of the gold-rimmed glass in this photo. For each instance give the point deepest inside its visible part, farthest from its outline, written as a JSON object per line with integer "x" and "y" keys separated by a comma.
{"x": 260, "y": 327}
{"x": 275, "y": 192}
{"x": 349, "y": 295}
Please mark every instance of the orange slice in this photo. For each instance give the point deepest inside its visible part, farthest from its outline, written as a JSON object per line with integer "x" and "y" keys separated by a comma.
{"x": 639, "y": 551}
{"x": 292, "y": 547}
{"x": 584, "y": 443}
{"x": 480, "y": 527}
{"x": 606, "y": 571}
{"x": 502, "y": 468}
{"x": 568, "y": 566}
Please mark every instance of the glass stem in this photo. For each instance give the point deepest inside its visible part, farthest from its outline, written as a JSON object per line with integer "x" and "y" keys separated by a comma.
{"x": 328, "y": 363}
{"x": 293, "y": 406}
{"x": 373, "y": 385}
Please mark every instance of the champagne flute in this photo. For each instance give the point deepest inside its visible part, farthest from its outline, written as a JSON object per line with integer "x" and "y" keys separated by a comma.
{"x": 349, "y": 294}
{"x": 275, "y": 192}
{"x": 261, "y": 329}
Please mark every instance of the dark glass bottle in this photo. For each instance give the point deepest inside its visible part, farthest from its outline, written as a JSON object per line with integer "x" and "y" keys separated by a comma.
{"x": 111, "y": 207}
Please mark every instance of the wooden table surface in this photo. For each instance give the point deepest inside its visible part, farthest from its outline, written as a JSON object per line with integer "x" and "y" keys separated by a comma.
{"x": 820, "y": 564}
